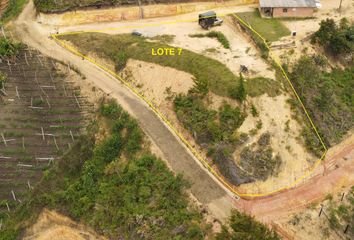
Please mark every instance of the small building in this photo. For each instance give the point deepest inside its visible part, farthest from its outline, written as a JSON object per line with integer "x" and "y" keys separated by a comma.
{"x": 287, "y": 8}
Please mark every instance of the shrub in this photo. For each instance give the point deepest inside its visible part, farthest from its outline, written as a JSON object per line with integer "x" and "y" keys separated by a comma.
{"x": 9, "y": 48}
{"x": 2, "y": 79}
{"x": 328, "y": 98}
{"x": 338, "y": 40}
{"x": 254, "y": 111}
{"x": 239, "y": 92}
{"x": 243, "y": 226}
{"x": 230, "y": 118}
{"x": 214, "y": 34}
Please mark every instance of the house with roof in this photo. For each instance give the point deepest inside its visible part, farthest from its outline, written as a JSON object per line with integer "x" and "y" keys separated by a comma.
{"x": 287, "y": 8}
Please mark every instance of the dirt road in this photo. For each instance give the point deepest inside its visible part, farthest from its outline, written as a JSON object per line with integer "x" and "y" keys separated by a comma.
{"x": 204, "y": 188}
{"x": 339, "y": 161}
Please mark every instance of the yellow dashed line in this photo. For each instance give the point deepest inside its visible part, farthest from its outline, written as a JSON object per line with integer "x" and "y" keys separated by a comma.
{"x": 166, "y": 121}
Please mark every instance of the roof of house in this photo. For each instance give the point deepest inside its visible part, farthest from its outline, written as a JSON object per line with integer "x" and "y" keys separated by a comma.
{"x": 287, "y": 3}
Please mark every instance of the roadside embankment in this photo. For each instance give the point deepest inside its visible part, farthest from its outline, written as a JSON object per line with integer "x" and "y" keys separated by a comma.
{"x": 132, "y": 13}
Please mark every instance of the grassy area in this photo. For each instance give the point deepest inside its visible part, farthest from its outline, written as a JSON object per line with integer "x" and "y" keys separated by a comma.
{"x": 13, "y": 9}
{"x": 259, "y": 85}
{"x": 120, "y": 48}
{"x": 270, "y": 28}
{"x": 214, "y": 34}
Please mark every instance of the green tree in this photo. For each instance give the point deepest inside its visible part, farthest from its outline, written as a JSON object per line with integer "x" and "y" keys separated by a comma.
{"x": 327, "y": 29}
{"x": 242, "y": 226}
{"x": 239, "y": 92}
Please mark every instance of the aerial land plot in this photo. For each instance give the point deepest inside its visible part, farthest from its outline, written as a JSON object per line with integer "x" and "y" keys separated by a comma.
{"x": 249, "y": 136}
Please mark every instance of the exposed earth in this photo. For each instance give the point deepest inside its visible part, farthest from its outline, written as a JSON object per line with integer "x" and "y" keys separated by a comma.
{"x": 335, "y": 172}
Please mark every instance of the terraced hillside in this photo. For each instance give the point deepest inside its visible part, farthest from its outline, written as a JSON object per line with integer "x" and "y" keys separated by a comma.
{"x": 41, "y": 115}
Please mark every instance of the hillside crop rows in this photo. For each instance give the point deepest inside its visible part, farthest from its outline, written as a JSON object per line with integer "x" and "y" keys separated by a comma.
{"x": 41, "y": 114}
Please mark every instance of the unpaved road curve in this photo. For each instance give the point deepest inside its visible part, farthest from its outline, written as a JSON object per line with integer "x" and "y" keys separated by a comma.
{"x": 339, "y": 161}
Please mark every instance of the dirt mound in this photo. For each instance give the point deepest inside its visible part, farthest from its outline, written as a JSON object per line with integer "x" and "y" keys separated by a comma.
{"x": 53, "y": 226}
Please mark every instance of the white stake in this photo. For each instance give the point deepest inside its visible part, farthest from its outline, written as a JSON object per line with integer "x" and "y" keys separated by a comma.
{"x": 13, "y": 195}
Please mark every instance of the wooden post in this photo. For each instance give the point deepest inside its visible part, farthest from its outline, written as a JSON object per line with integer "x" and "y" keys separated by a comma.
{"x": 13, "y": 195}
{"x": 72, "y": 136}
{"x": 346, "y": 229}
{"x": 29, "y": 185}
{"x": 3, "y": 138}
{"x": 3, "y": 32}
{"x": 319, "y": 215}
{"x": 66, "y": 94}
{"x": 48, "y": 102}
{"x": 77, "y": 101}
{"x": 26, "y": 59}
{"x": 342, "y": 197}
{"x": 17, "y": 93}
{"x": 43, "y": 133}
{"x": 23, "y": 143}
{"x": 340, "y": 7}
{"x": 39, "y": 60}
{"x": 55, "y": 142}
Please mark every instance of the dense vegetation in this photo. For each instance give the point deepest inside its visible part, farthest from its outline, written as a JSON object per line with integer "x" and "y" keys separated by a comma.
{"x": 65, "y": 5}
{"x": 116, "y": 186}
{"x": 214, "y": 34}
{"x": 327, "y": 95}
{"x": 110, "y": 181}
{"x": 337, "y": 39}
{"x": 244, "y": 227}
{"x": 13, "y": 9}
{"x": 258, "y": 158}
{"x": 208, "y": 126}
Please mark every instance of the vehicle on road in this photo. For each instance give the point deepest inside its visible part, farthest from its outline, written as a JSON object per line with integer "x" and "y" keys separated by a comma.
{"x": 209, "y": 19}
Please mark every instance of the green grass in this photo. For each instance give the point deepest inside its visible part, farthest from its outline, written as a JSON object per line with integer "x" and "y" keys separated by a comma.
{"x": 271, "y": 29}
{"x": 13, "y": 9}
{"x": 214, "y": 34}
{"x": 120, "y": 48}
{"x": 259, "y": 85}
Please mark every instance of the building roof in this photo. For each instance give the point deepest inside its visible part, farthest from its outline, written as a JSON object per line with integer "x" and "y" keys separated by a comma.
{"x": 287, "y": 3}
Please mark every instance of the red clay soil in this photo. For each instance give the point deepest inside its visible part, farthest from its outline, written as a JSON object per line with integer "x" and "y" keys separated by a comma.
{"x": 336, "y": 172}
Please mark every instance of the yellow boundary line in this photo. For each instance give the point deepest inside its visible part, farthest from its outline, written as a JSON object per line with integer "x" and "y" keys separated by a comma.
{"x": 166, "y": 121}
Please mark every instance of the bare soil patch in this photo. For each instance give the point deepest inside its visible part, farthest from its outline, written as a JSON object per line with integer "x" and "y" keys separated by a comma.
{"x": 51, "y": 225}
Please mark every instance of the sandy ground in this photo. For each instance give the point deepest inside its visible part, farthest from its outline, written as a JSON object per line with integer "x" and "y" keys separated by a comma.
{"x": 54, "y": 226}
{"x": 329, "y": 10}
{"x": 308, "y": 225}
{"x": 304, "y": 28}
{"x": 157, "y": 82}
{"x": 153, "y": 81}
{"x": 275, "y": 115}
{"x": 337, "y": 172}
